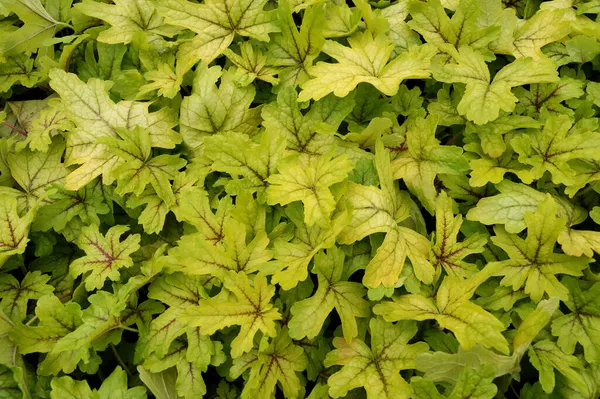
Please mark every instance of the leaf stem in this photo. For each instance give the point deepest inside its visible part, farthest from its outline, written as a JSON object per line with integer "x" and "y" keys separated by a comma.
{"x": 120, "y": 361}
{"x": 16, "y": 129}
{"x": 128, "y": 329}
{"x": 454, "y": 138}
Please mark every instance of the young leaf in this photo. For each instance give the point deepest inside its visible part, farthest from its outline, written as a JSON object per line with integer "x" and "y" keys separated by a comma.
{"x": 252, "y": 311}
{"x": 346, "y": 297}
{"x": 14, "y": 229}
{"x": 16, "y": 295}
{"x": 546, "y": 356}
{"x": 376, "y": 368}
{"x": 306, "y": 178}
{"x": 354, "y": 67}
{"x": 105, "y": 255}
{"x": 532, "y": 263}
{"x": 115, "y": 385}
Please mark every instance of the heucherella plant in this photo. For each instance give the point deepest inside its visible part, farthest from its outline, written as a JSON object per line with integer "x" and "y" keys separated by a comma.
{"x": 257, "y": 199}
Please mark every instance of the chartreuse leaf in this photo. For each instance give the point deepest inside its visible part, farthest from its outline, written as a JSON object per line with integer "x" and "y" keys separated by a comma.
{"x": 137, "y": 168}
{"x": 581, "y": 325}
{"x": 126, "y": 17}
{"x": 236, "y": 154}
{"x": 546, "y": 356}
{"x": 377, "y": 368}
{"x": 97, "y": 116}
{"x": 17, "y": 68}
{"x": 346, "y": 297}
{"x": 215, "y": 23}
{"x": 546, "y": 26}
{"x": 197, "y": 256}
{"x": 551, "y": 149}
{"x": 483, "y": 100}
{"x": 308, "y": 179}
{"x": 293, "y": 257}
{"x": 252, "y": 311}
{"x": 301, "y": 130}
{"x": 294, "y": 50}
{"x": 356, "y": 66}
{"x": 376, "y": 210}
{"x": 470, "y": 323}
{"x": 16, "y": 295}
{"x": 277, "y": 365}
{"x": 14, "y": 228}
{"x": 447, "y": 251}
{"x": 251, "y": 64}
{"x": 424, "y": 158}
{"x": 105, "y": 255}
{"x": 114, "y": 386}
{"x": 532, "y": 263}
{"x": 202, "y": 116}
{"x": 38, "y": 26}
{"x": 194, "y": 208}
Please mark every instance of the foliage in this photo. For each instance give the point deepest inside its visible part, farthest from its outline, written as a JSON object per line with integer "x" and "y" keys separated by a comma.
{"x": 300, "y": 199}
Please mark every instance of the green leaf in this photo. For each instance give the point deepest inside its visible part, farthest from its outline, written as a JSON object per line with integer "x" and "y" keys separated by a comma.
{"x": 532, "y": 263}
{"x": 308, "y": 179}
{"x": 114, "y": 385}
{"x": 545, "y": 356}
{"x": 581, "y": 325}
{"x": 423, "y": 158}
{"x": 126, "y": 17}
{"x": 447, "y": 251}
{"x": 215, "y": 23}
{"x": 471, "y": 383}
{"x": 277, "y": 365}
{"x": 162, "y": 384}
{"x": 452, "y": 309}
{"x": 354, "y": 67}
{"x": 346, "y": 297}
{"x": 14, "y": 228}
{"x": 252, "y": 311}
{"x": 483, "y": 99}
{"x": 376, "y": 368}
{"x": 105, "y": 255}
{"x": 16, "y": 295}
{"x": 251, "y": 64}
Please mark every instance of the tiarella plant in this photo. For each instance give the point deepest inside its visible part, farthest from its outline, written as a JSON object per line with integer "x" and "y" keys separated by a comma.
{"x": 299, "y": 198}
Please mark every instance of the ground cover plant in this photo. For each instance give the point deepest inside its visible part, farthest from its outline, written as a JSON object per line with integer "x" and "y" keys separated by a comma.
{"x": 299, "y": 199}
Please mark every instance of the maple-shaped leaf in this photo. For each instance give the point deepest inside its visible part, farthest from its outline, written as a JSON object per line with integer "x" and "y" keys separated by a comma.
{"x": 483, "y": 99}
{"x": 532, "y": 263}
{"x": 308, "y": 179}
{"x": 202, "y": 116}
{"x": 115, "y": 385}
{"x": 14, "y": 228}
{"x": 105, "y": 255}
{"x": 37, "y": 171}
{"x": 447, "y": 251}
{"x": 469, "y": 26}
{"x": 469, "y": 322}
{"x": 346, "y": 297}
{"x": 422, "y": 158}
{"x": 582, "y": 324}
{"x": 300, "y": 128}
{"x": 278, "y": 364}
{"x": 236, "y": 154}
{"x": 546, "y": 356}
{"x": 137, "y": 168}
{"x": 293, "y": 257}
{"x": 178, "y": 292}
{"x": 295, "y": 49}
{"x": 376, "y": 369}
{"x": 194, "y": 255}
{"x": 16, "y": 295}
{"x": 548, "y": 96}
{"x": 252, "y": 311}
{"x": 17, "y": 69}
{"x": 366, "y": 60}
{"x": 471, "y": 383}
{"x": 252, "y": 64}
{"x": 380, "y": 210}
{"x": 40, "y": 22}
{"x": 126, "y": 17}
{"x": 195, "y": 208}
{"x": 215, "y": 23}
{"x": 553, "y": 147}
{"x": 89, "y": 106}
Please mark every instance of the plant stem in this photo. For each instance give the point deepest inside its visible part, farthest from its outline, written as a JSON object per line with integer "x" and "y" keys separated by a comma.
{"x": 16, "y": 129}
{"x": 120, "y": 361}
